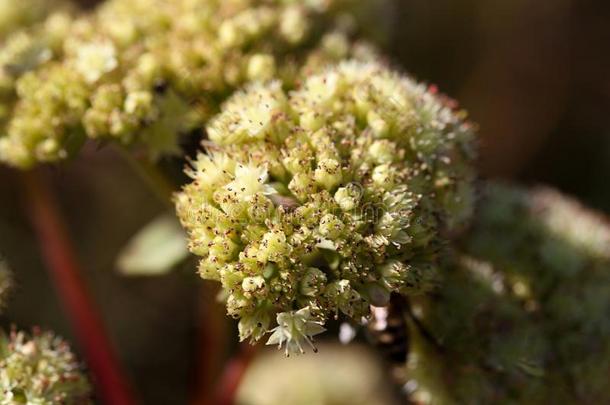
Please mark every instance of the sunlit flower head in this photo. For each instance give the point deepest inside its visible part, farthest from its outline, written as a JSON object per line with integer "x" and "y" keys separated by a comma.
{"x": 302, "y": 201}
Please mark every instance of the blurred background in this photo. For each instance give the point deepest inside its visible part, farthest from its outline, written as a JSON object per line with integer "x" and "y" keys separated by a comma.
{"x": 535, "y": 76}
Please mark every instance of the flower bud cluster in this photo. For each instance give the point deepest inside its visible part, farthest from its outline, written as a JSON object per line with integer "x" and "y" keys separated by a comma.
{"x": 523, "y": 315}
{"x": 146, "y": 72}
{"x": 326, "y": 199}
{"x": 34, "y": 40}
{"x": 40, "y": 369}
{"x": 17, "y": 14}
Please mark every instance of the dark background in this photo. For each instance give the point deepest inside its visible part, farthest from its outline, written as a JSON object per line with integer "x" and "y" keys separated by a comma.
{"x": 534, "y": 74}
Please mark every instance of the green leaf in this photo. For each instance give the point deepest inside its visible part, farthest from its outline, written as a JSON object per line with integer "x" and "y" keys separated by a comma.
{"x": 155, "y": 249}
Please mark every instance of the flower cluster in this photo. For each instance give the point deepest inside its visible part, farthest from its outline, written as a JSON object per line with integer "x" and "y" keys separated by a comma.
{"x": 40, "y": 369}
{"x": 16, "y": 14}
{"x": 146, "y": 72}
{"x": 326, "y": 199}
{"x": 523, "y": 315}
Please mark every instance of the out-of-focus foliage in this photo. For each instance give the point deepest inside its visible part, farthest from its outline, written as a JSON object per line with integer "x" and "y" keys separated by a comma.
{"x": 29, "y": 42}
{"x": 523, "y": 316}
{"x": 326, "y": 199}
{"x": 148, "y": 72}
{"x": 155, "y": 249}
{"x": 338, "y": 375}
{"x": 40, "y": 369}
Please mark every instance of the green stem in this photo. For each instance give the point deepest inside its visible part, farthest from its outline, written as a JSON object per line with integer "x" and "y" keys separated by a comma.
{"x": 154, "y": 177}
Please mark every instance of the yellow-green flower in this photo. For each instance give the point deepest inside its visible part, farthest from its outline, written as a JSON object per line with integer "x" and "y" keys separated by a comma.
{"x": 40, "y": 369}
{"x": 148, "y": 73}
{"x": 302, "y": 201}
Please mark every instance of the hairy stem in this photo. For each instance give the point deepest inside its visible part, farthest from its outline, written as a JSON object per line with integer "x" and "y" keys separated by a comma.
{"x": 65, "y": 271}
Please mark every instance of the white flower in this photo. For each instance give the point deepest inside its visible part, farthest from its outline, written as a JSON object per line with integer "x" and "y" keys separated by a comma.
{"x": 294, "y": 328}
{"x": 249, "y": 180}
{"x": 211, "y": 171}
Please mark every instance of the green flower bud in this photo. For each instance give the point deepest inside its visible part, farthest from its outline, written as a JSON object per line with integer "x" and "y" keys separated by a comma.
{"x": 38, "y": 30}
{"x": 252, "y": 123}
{"x": 328, "y": 173}
{"x": 294, "y": 24}
{"x": 23, "y": 52}
{"x": 342, "y": 296}
{"x": 348, "y": 197}
{"x": 46, "y": 121}
{"x": 273, "y": 247}
{"x": 104, "y": 116}
{"x": 254, "y": 326}
{"x": 261, "y": 67}
{"x": 40, "y": 369}
{"x": 313, "y": 282}
{"x": 328, "y": 204}
{"x": 331, "y": 226}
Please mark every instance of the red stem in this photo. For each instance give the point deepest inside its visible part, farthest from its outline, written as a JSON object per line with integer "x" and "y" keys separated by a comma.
{"x": 62, "y": 264}
{"x": 233, "y": 375}
{"x": 212, "y": 338}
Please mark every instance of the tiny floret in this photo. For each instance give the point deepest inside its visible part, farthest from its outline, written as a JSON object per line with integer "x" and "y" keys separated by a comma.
{"x": 295, "y": 329}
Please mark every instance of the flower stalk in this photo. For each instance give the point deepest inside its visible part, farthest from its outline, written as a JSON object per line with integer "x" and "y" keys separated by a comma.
{"x": 65, "y": 270}
{"x": 212, "y": 336}
{"x": 233, "y": 375}
{"x": 151, "y": 174}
